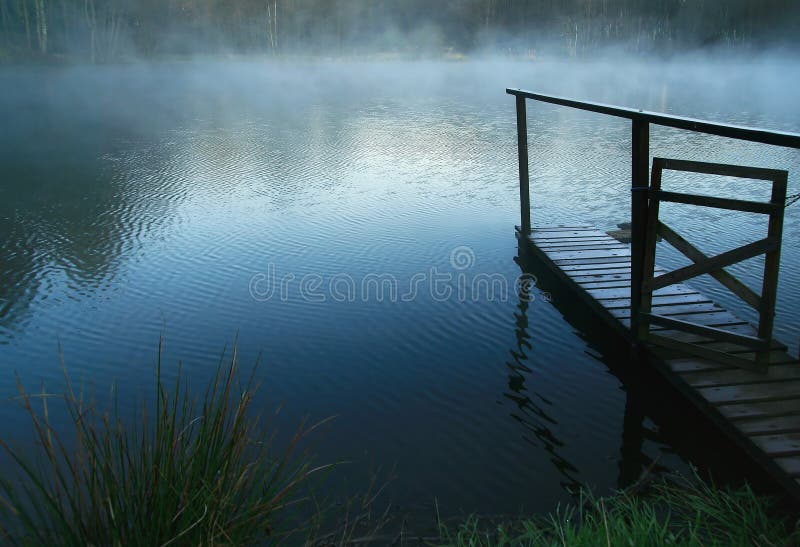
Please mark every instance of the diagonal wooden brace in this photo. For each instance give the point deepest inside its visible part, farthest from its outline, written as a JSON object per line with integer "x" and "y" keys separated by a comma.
{"x": 714, "y": 269}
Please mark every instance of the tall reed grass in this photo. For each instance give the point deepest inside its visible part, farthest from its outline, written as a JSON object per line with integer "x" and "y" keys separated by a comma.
{"x": 194, "y": 472}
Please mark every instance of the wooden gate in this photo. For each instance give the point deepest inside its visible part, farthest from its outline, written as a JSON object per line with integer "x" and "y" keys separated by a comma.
{"x": 714, "y": 266}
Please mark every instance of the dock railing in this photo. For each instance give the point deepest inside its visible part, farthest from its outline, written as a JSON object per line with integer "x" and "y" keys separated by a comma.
{"x": 643, "y": 200}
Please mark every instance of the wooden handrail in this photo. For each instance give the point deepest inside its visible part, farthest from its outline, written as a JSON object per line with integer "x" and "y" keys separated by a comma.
{"x": 752, "y": 134}
{"x": 641, "y": 192}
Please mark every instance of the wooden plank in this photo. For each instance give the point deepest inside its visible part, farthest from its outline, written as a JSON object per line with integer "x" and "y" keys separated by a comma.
{"x": 790, "y": 464}
{"x": 661, "y": 354}
{"x": 622, "y": 275}
{"x": 769, "y": 426}
{"x": 593, "y": 234}
{"x": 775, "y": 357}
{"x": 699, "y": 351}
{"x": 691, "y": 338}
{"x": 562, "y": 227}
{"x": 658, "y": 300}
{"x": 571, "y": 269}
{"x": 542, "y": 243}
{"x": 574, "y": 235}
{"x": 734, "y": 348}
{"x": 684, "y": 365}
{"x": 589, "y": 275}
{"x": 722, "y": 169}
{"x": 545, "y": 237}
{"x": 715, "y": 202}
{"x": 747, "y": 329}
{"x": 742, "y": 328}
{"x": 732, "y": 376}
{"x": 611, "y": 294}
{"x": 561, "y": 248}
{"x": 549, "y": 249}
{"x": 722, "y": 321}
{"x": 786, "y": 407}
{"x": 716, "y": 318}
{"x": 610, "y": 284}
{"x": 788, "y": 389}
{"x": 678, "y": 309}
{"x": 591, "y": 261}
{"x": 574, "y": 232}
{"x": 576, "y": 255}
{"x": 577, "y": 235}
{"x": 709, "y": 332}
{"x": 787, "y": 444}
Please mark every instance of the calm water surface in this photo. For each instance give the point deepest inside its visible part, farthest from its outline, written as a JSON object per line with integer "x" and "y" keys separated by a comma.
{"x": 147, "y": 200}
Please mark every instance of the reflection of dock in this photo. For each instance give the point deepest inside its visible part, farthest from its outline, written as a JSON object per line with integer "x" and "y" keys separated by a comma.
{"x": 736, "y": 374}
{"x": 530, "y": 414}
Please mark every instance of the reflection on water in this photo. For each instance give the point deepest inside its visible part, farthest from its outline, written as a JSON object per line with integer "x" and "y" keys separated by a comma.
{"x": 139, "y": 201}
{"x": 531, "y": 405}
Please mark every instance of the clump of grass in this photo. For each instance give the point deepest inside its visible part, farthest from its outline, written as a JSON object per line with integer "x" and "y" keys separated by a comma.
{"x": 690, "y": 513}
{"x": 196, "y": 472}
{"x": 356, "y": 521}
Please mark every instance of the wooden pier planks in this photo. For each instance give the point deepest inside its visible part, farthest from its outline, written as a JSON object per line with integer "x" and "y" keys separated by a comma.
{"x": 760, "y": 411}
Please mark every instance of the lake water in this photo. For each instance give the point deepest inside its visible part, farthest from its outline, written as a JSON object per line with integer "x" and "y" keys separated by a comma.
{"x": 335, "y": 217}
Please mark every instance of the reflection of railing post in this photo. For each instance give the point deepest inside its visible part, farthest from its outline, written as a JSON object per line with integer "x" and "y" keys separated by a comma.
{"x": 522, "y": 149}
{"x": 640, "y": 159}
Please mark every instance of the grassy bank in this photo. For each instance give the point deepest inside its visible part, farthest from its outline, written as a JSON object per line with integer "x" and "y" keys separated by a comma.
{"x": 203, "y": 471}
{"x": 675, "y": 512}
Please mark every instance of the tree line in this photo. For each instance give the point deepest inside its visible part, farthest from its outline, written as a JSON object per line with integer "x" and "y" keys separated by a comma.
{"x": 102, "y": 30}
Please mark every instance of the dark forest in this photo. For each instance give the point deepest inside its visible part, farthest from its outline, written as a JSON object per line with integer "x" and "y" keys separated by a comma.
{"x": 110, "y": 30}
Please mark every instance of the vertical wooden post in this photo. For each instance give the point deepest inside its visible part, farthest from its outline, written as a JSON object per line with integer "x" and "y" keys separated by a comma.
{"x": 769, "y": 288}
{"x": 640, "y": 158}
{"x": 524, "y": 183}
{"x": 649, "y": 253}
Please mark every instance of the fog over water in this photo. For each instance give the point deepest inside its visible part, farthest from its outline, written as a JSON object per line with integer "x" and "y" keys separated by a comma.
{"x": 114, "y": 30}
{"x": 156, "y": 198}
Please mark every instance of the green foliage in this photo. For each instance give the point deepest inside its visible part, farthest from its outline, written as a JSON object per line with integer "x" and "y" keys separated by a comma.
{"x": 689, "y": 513}
{"x": 193, "y": 473}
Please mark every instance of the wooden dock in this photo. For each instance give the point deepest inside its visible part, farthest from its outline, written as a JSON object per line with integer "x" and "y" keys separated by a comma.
{"x": 760, "y": 411}
{"x": 737, "y": 374}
